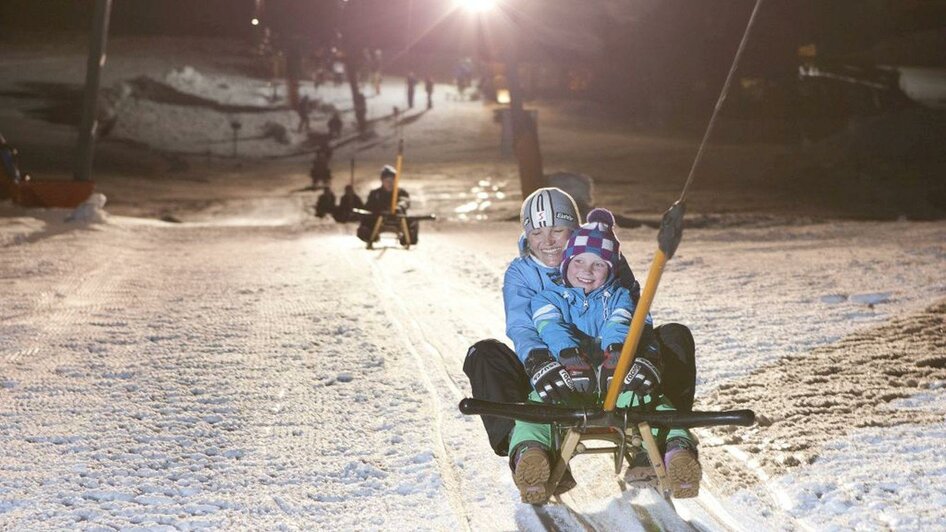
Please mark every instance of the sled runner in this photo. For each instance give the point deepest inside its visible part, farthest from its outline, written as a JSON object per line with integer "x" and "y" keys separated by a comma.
{"x": 396, "y": 223}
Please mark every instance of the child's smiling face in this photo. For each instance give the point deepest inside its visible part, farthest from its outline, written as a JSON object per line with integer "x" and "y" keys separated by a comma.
{"x": 587, "y": 271}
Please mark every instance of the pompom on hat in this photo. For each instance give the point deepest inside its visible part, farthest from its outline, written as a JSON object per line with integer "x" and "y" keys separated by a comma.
{"x": 595, "y": 236}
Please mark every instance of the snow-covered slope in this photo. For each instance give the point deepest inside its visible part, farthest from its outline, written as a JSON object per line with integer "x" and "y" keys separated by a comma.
{"x": 201, "y": 375}
{"x": 254, "y": 368}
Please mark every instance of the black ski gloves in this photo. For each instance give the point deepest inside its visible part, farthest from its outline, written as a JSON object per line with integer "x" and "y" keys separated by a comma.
{"x": 548, "y": 377}
{"x": 579, "y": 369}
{"x": 643, "y": 377}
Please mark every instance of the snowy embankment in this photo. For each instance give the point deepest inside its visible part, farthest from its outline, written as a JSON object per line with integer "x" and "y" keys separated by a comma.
{"x": 200, "y": 375}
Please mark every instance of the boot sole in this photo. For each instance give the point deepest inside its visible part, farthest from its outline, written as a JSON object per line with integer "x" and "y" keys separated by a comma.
{"x": 684, "y": 473}
{"x": 532, "y": 476}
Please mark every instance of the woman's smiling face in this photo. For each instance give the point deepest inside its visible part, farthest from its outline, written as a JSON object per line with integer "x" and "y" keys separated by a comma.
{"x": 548, "y": 243}
{"x": 587, "y": 271}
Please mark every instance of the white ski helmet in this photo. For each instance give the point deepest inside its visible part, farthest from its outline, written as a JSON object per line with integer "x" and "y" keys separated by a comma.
{"x": 388, "y": 171}
{"x": 548, "y": 207}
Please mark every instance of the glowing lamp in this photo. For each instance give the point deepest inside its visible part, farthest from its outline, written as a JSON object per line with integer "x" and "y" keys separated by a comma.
{"x": 502, "y": 96}
{"x": 477, "y": 6}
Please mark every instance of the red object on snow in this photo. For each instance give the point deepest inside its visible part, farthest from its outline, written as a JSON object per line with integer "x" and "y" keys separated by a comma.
{"x": 29, "y": 192}
{"x": 62, "y": 194}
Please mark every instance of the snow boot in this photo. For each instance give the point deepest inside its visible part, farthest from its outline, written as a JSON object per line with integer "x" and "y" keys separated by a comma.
{"x": 683, "y": 469}
{"x": 531, "y": 473}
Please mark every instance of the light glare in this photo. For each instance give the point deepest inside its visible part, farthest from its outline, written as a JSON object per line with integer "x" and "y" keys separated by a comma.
{"x": 254, "y": 21}
{"x": 477, "y": 6}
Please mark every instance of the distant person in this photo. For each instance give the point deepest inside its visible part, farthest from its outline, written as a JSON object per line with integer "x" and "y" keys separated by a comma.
{"x": 8, "y": 161}
{"x": 429, "y": 88}
{"x": 348, "y": 201}
{"x": 303, "y": 108}
{"x": 411, "y": 83}
{"x": 379, "y": 203}
{"x": 320, "y": 172}
{"x": 325, "y": 205}
{"x": 361, "y": 111}
{"x": 335, "y": 126}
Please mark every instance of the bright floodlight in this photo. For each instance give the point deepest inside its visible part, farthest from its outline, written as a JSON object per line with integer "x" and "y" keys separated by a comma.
{"x": 254, "y": 21}
{"x": 477, "y": 6}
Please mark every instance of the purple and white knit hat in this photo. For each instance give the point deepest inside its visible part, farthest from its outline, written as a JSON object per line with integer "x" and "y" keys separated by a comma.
{"x": 595, "y": 236}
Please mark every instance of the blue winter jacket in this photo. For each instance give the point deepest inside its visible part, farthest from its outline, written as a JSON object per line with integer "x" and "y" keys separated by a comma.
{"x": 565, "y": 317}
{"x": 525, "y": 277}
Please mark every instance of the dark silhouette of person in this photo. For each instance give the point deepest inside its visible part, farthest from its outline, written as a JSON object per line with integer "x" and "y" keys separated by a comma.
{"x": 303, "y": 108}
{"x": 429, "y": 88}
{"x": 320, "y": 172}
{"x": 8, "y": 163}
{"x": 335, "y": 126}
{"x": 346, "y": 203}
{"x": 411, "y": 83}
{"x": 325, "y": 205}
{"x": 361, "y": 111}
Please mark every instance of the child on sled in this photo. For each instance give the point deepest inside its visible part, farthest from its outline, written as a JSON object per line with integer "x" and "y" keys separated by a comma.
{"x": 584, "y": 323}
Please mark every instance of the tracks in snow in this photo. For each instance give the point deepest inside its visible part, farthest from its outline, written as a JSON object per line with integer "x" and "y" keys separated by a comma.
{"x": 402, "y": 321}
{"x": 427, "y": 289}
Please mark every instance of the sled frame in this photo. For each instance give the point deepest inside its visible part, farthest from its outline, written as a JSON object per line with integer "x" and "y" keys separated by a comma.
{"x": 402, "y": 232}
{"x": 396, "y": 223}
{"x": 618, "y": 427}
{"x": 638, "y": 436}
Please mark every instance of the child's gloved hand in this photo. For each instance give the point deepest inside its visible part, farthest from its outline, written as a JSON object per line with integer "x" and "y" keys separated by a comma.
{"x": 579, "y": 368}
{"x": 643, "y": 377}
{"x": 548, "y": 377}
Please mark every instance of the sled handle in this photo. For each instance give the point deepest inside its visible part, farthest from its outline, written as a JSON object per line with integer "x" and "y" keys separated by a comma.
{"x": 541, "y": 413}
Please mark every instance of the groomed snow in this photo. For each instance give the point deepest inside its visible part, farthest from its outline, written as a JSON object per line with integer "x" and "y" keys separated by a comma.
{"x": 255, "y": 368}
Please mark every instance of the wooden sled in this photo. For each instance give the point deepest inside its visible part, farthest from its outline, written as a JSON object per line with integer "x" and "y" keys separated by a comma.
{"x": 398, "y": 224}
{"x": 621, "y": 430}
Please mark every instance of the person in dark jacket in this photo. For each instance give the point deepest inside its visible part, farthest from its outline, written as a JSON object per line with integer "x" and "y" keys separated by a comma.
{"x": 411, "y": 84}
{"x": 335, "y": 126}
{"x": 379, "y": 202}
{"x": 303, "y": 108}
{"x": 346, "y": 203}
{"x": 326, "y": 203}
{"x": 429, "y": 89}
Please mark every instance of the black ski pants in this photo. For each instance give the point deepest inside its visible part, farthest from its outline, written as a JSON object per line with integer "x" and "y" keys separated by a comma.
{"x": 496, "y": 374}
